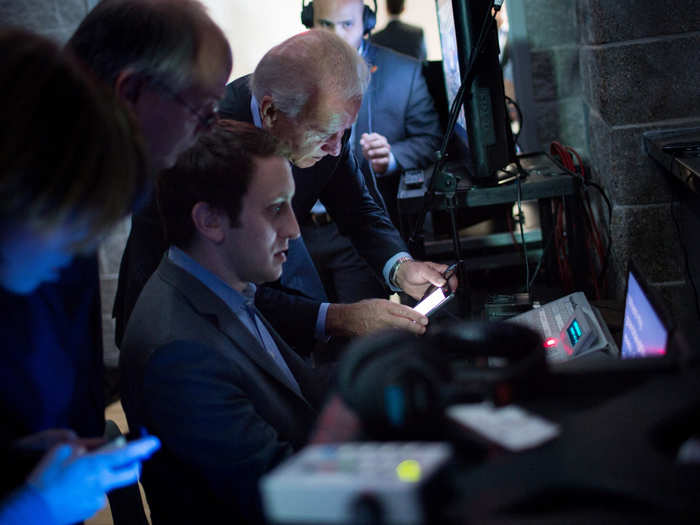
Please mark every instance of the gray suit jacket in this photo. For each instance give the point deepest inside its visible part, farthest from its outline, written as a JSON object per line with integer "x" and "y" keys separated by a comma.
{"x": 399, "y": 106}
{"x": 199, "y": 380}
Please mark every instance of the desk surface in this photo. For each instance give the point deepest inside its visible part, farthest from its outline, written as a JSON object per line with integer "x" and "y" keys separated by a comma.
{"x": 545, "y": 180}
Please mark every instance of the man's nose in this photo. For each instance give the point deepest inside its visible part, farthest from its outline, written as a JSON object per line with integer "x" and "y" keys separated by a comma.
{"x": 291, "y": 226}
{"x": 334, "y": 144}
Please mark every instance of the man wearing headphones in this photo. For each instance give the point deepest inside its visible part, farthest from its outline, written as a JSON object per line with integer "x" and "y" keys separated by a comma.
{"x": 397, "y": 129}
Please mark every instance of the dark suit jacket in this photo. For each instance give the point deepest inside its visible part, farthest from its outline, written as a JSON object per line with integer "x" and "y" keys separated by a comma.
{"x": 340, "y": 186}
{"x": 291, "y": 304}
{"x": 51, "y": 374}
{"x": 404, "y": 38}
{"x": 199, "y": 380}
{"x": 398, "y": 105}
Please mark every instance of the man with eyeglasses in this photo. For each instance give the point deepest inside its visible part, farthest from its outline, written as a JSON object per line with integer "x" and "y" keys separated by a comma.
{"x": 169, "y": 62}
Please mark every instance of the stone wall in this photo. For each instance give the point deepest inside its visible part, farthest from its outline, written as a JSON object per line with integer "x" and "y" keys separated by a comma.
{"x": 545, "y": 37}
{"x": 599, "y": 74}
{"x": 640, "y": 71}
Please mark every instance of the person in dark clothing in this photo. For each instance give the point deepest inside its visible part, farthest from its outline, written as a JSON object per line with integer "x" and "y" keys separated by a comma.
{"x": 401, "y": 37}
{"x": 72, "y": 166}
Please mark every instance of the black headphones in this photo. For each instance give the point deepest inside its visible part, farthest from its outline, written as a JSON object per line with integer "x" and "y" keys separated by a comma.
{"x": 400, "y": 384}
{"x": 369, "y": 17}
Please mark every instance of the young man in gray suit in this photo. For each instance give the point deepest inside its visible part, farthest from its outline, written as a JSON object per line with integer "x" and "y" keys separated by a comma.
{"x": 202, "y": 369}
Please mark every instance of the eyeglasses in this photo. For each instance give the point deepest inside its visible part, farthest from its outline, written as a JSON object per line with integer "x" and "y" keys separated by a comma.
{"x": 206, "y": 120}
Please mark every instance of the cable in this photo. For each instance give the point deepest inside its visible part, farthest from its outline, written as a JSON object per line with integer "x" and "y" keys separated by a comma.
{"x": 522, "y": 234}
{"x": 454, "y": 112}
{"x": 686, "y": 258}
{"x": 563, "y": 157}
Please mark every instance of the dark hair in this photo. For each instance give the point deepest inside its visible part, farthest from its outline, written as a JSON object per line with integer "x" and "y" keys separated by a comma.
{"x": 69, "y": 150}
{"x": 161, "y": 39}
{"x": 395, "y": 7}
{"x": 216, "y": 170}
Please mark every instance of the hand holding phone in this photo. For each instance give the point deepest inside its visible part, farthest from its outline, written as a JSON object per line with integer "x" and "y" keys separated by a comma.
{"x": 437, "y": 296}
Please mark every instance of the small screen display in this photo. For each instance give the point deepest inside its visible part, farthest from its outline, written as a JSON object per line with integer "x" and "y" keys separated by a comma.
{"x": 644, "y": 333}
{"x": 575, "y": 332}
{"x": 430, "y": 302}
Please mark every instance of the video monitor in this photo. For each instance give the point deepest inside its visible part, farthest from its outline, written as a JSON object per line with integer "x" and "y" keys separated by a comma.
{"x": 482, "y": 132}
{"x": 644, "y": 334}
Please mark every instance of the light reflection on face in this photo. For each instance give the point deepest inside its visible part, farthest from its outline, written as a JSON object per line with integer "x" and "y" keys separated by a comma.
{"x": 256, "y": 247}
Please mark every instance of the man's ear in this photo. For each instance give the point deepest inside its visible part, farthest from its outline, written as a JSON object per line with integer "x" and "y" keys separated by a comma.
{"x": 209, "y": 222}
{"x": 268, "y": 113}
{"x": 128, "y": 86}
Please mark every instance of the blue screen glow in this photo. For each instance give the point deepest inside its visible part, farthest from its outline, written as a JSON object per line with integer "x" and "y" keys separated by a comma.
{"x": 644, "y": 333}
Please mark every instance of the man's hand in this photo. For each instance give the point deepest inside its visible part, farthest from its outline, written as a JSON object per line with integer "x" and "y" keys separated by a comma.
{"x": 73, "y": 482}
{"x": 377, "y": 150}
{"x": 414, "y": 277}
{"x": 371, "y": 315}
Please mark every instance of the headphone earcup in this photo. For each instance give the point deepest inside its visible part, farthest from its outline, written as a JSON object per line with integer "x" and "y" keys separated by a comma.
{"x": 473, "y": 344}
{"x": 369, "y": 19}
{"x": 392, "y": 383}
{"x": 307, "y": 14}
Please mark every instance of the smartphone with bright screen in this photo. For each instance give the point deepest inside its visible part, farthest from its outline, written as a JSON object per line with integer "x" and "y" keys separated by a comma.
{"x": 432, "y": 302}
{"x": 436, "y": 296}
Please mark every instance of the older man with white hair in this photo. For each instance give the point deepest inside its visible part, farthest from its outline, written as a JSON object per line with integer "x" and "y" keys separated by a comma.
{"x": 307, "y": 92}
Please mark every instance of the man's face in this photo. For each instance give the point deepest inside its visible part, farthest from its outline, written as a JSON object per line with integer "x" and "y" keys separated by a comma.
{"x": 343, "y": 17}
{"x": 171, "y": 120}
{"x": 316, "y": 132}
{"x": 256, "y": 247}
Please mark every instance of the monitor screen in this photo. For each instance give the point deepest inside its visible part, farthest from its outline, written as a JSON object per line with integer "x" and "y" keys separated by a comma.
{"x": 482, "y": 132}
{"x": 450, "y": 56}
{"x": 644, "y": 332}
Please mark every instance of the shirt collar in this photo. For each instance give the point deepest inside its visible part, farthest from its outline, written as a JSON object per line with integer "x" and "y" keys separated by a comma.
{"x": 233, "y": 299}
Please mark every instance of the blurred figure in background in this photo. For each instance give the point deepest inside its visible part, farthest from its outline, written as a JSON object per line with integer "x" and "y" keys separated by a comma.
{"x": 72, "y": 165}
{"x": 399, "y": 36}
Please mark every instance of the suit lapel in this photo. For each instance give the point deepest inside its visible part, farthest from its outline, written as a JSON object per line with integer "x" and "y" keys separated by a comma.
{"x": 210, "y": 306}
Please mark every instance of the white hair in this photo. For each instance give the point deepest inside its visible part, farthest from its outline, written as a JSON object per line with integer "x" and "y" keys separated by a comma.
{"x": 306, "y": 64}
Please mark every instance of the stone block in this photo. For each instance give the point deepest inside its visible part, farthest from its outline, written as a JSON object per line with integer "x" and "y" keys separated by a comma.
{"x": 679, "y": 301}
{"x": 550, "y": 23}
{"x": 647, "y": 235}
{"x": 643, "y": 81}
{"x": 555, "y": 73}
{"x": 628, "y": 174}
{"x": 561, "y": 120}
{"x": 602, "y": 21}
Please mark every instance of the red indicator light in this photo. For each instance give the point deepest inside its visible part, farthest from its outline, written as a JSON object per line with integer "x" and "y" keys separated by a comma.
{"x": 551, "y": 342}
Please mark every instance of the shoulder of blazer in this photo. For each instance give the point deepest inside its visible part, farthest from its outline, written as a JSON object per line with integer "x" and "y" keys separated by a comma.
{"x": 390, "y": 60}
{"x": 236, "y": 102}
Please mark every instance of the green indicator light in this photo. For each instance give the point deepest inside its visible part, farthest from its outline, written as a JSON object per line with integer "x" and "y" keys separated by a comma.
{"x": 409, "y": 471}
